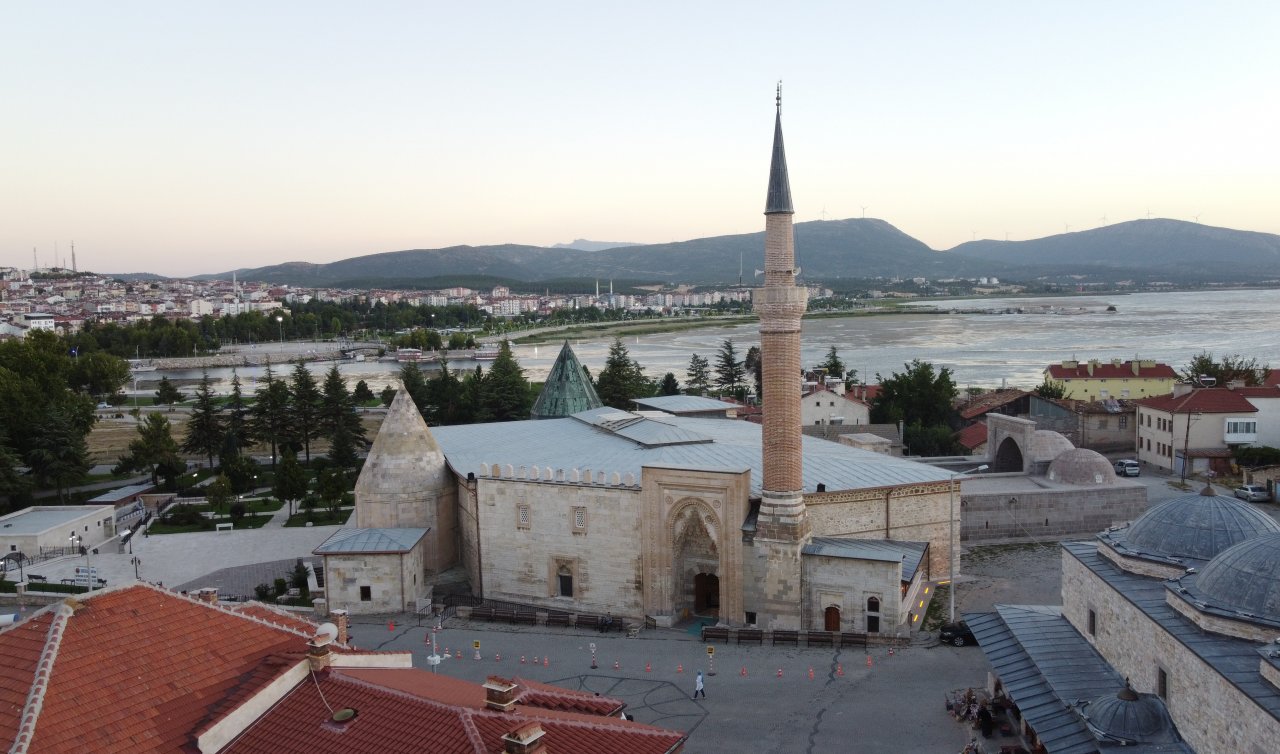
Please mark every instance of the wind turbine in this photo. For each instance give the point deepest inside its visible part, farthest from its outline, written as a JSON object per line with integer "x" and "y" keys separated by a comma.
{"x": 1197, "y": 217}
{"x": 1067, "y": 226}
{"x": 1104, "y": 219}
{"x": 864, "y": 210}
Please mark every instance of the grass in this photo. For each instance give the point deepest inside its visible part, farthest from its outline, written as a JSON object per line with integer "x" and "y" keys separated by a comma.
{"x": 936, "y": 614}
{"x": 320, "y": 517}
{"x": 248, "y": 522}
{"x": 263, "y": 505}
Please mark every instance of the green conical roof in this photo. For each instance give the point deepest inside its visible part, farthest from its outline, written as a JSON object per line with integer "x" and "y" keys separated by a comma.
{"x": 567, "y": 390}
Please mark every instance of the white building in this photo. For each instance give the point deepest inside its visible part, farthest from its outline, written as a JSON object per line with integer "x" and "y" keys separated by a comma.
{"x": 822, "y": 407}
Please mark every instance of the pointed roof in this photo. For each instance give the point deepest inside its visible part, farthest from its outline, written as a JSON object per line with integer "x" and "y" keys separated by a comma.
{"x": 779, "y": 199}
{"x": 567, "y": 390}
{"x": 403, "y": 453}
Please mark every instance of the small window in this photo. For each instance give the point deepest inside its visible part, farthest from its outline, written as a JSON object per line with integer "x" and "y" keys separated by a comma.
{"x": 522, "y": 516}
{"x": 1162, "y": 684}
{"x": 1102, "y": 422}
{"x": 564, "y": 581}
{"x": 1124, "y": 422}
{"x": 1093, "y": 623}
{"x": 751, "y": 618}
{"x": 579, "y": 519}
{"x": 366, "y": 594}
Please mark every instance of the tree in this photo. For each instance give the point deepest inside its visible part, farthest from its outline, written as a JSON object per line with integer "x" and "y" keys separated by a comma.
{"x": 730, "y": 372}
{"x": 754, "y": 363}
{"x": 219, "y": 493}
{"x": 269, "y": 417}
{"x": 1051, "y": 389}
{"x": 504, "y": 392}
{"x": 362, "y": 394}
{"x": 204, "y": 428}
{"x": 415, "y": 385}
{"x": 698, "y": 376}
{"x": 167, "y": 393}
{"x": 332, "y": 487}
{"x": 387, "y": 395}
{"x": 338, "y": 419}
{"x": 235, "y": 420}
{"x": 622, "y": 378}
{"x": 669, "y": 385}
{"x": 291, "y": 481}
{"x": 447, "y": 398}
{"x": 304, "y": 408}
{"x": 13, "y": 485}
{"x": 917, "y": 396}
{"x": 98, "y": 373}
{"x": 833, "y": 366}
{"x": 58, "y": 456}
{"x": 238, "y": 511}
{"x": 1230, "y": 369}
{"x": 152, "y": 449}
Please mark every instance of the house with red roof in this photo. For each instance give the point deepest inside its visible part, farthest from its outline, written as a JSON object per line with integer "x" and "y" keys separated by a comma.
{"x": 1097, "y": 380}
{"x": 143, "y": 669}
{"x": 1192, "y": 430}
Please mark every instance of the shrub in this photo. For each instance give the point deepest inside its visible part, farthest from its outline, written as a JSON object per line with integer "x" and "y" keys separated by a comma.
{"x": 281, "y": 585}
{"x": 262, "y": 592}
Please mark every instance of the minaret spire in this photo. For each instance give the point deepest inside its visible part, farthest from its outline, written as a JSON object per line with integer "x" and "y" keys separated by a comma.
{"x": 779, "y": 198}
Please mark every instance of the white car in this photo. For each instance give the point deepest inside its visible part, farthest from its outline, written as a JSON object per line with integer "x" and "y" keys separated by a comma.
{"x": 1254, "y": 493}
{"x": 1128, "y": 468}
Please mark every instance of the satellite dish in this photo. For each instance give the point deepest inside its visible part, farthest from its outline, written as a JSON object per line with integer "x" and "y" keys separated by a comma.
{"x": 326, "y": 633}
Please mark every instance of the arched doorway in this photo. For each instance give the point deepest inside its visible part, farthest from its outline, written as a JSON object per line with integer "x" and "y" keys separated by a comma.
{"x": 706, "y": 594}
{"x": 831, "y": 619}
{"x": 873, "y": 615}
{"x": 1008, "y": 457}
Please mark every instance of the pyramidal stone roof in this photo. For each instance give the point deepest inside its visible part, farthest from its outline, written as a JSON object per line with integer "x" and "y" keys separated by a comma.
{"x": 567, "y": 390}
{"x": 403, "y": 453}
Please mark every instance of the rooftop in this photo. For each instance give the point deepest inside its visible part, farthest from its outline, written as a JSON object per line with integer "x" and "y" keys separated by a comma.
{"x": 42, "y": 518}
{"x": 1205, "y": 400}
{"x": 371, "y": 541}
{"x": 909, "y": 554}
{"x": 684, "y": 404}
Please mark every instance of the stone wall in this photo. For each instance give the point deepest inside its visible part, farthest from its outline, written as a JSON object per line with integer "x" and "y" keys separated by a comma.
{"x": 1049, "y": 514}
{"x": 848, "y": 584}
{"x": 1212, "y": 714}
{"x": 396, "y": 581}
{"x": 917, "y": 513}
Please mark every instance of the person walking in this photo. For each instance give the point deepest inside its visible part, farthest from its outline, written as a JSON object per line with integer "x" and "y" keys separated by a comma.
{"x": 697, "y": 686}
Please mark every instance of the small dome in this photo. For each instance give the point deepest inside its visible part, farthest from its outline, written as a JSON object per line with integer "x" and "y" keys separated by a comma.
{"x": 1197, "y": 526}
{"x": 1047, "y": 445}
{"x": 1244, "y": 578}
{"x": 1130, "y": 717}
{"x": 1081, "y": 466}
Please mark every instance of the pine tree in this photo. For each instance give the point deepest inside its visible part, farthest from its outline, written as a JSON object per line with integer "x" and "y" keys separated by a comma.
{"x": 304, "y": 408}
{"x": 269, "y": 418}
{"x": 153, "y": 449}
{"x": 729, "y": 370}
{"x": 622, "y": 378}
{"x": 832, "y": 364}
{"x": 204, "y": 428}
{"x": 58, "y": 455}
{"x": 338, "y": 411}
{"x": 754, "y": 363}
{"x": 504, "y": 392}
{"x": 291, "y": 482}
{"x": 362, "y": 394}
{"x": 167, "y": 394}
{"x": 236, "y": 418}
{"x": 415, "y": 385}
{"x": 698, "y": 376}
{"x": 669, "y": 385}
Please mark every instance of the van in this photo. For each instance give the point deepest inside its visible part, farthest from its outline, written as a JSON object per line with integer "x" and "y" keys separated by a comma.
{"x": 1128, "y": 468}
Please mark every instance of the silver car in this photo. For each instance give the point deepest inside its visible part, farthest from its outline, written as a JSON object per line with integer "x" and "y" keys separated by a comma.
{"x": 1254, "y": 493}
{"x": 1128, "y": 468}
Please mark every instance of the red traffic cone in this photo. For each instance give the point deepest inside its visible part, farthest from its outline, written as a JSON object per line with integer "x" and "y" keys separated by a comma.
{"x": 648, "y": 668}
{"x": 391, "y": 625}
{"x": 615, "y": 665}
{"x": 743, "y": 673}
{"x": 779, "y": 672}
{"x": 811, "y": 674}
{"x": 679, "y": 668}
{"x": 891, "y": 651}
{"x": 868, "y": 660}
{"x": 840, "y": 670}
{"x": 545, "y": 662}
{"x": 457, "y": 655}
{"x": 497, "y": 657}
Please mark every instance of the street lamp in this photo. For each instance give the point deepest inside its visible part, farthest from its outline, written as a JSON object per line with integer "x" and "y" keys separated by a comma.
{"x": 280, "y": 324}
{"x": 951, "y": 553}
{"x": 136, "y": 562}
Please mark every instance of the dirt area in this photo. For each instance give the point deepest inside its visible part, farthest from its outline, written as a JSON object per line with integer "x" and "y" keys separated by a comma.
{"x": 1023, "y": 574}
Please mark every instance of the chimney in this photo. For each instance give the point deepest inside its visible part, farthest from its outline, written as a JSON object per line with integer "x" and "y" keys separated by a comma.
{"x": 1137, "y": 368}
{"x": 527, "y": 739}
{"x": 318, "y": 649}
{"x": 499, "y": 694}
{"x": 208, "y": 594}
{"x": 1092, "y": 363}
{"x": 1182, "y": 388}
{"x": 1116, "y": 362}
{"x": 343, "y": 623}
{"x": 1069, "y": 364}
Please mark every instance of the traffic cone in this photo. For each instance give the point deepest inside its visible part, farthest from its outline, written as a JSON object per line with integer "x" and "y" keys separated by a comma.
{"x": 391, "y": 625}
{"x": 891, "y": 651}
{"x": 615, "y": 665}
{"x": 535, "y": 659}
{"x": 811, "y": 674}
{"x": 545, "y": 662}
{"x": 679, "y": 668}
{"x": 497, "y": 657}
{"x": 522, "y": 662}
{"x": 840, "y": 670}
{"x": 743, "y": 673}
{"x": 648, "y": 668}
{"x": 779, "y": 672}
{"x": 868, "y": 660}
{"x": 477, "y": 654}
{"x": 457, "y": 655}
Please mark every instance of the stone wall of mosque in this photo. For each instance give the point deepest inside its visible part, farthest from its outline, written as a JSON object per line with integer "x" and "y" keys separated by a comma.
{"x": 914, "y": 513}
{"x": 1212, "y": 714}
{"x": 852, "y": 585}
{"x": 1049, "y": 514}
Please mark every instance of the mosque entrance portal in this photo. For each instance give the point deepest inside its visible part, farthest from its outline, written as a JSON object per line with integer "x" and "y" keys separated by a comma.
{"x": 696, "y": 563}
{"x": 706, "y": 594}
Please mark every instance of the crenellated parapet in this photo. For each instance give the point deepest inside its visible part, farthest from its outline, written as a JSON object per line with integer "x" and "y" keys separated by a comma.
{"x": 584, "y": 477}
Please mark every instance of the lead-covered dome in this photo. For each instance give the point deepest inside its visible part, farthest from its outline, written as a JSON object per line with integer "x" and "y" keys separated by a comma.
{"x": 1131, "y": 718}
{"x": 1081, "y": 466}
{"x": 1196, "y": 526}
{"x": 1244, "y": 579}
{"x": 1046, "y": 445}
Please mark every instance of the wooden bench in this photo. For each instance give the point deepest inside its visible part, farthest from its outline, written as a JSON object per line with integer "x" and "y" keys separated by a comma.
{"x": 848, "y": 639}
{"x": 715, "y": 633}
{"x": 37, "y": 578}
{"x": 525, "y": 616}
{"x": 786, "y": 637}
{"x": 482, "y": 613}
{"x": 504, "y": 614}
{"x": 752, "y": 635}
{"x": 557, "y": 619}
{"x": 818, "y": 639}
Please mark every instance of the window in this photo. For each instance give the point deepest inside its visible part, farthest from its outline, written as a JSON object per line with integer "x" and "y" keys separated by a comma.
{"x": 1103, "y": 393}
{"x": 751, "y": 618}
{"x": 564, "y": 581}
{"x": 1162, "y": 684}
{"x": 873, "y": 615}
{"x": 1124, "y": 422}
{"x": 1102, "y": 422}
{"x": 1242, "y": 427}
{"x": 522, "y": 516}
{"x": 579, "y": 519}
{"x": 1093, "y": 623}
{"x": 366, "y": 594}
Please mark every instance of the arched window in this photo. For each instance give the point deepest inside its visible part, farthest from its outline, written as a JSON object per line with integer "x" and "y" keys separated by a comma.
{"x": 873, "y": 615}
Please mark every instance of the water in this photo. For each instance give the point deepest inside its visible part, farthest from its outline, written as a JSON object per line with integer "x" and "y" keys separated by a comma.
{"x": 980, "y": 349}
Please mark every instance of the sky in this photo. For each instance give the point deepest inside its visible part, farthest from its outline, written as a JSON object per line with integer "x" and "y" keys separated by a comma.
{"x": 185, "y": 138}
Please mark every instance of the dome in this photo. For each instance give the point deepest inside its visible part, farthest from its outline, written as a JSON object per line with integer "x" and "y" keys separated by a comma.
{"x": 1081, "y": 466}
{"x": 1244, "y": 578}
{"x": 1047, "y": 445}
{"x": 1130, "y": 717}
{"x": 1196, "y": 526}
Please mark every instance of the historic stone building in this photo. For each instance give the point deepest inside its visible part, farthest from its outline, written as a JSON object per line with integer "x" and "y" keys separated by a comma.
{"x": 666, "y": 516}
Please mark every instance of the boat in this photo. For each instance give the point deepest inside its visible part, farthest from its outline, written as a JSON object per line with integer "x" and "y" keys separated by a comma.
{"x": 487, "y": 353}
{"x": 408, "y": 354}
{"x": 142, "y": 366}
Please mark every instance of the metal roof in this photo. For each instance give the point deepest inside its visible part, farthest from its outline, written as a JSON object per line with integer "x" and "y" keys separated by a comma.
{"x": 1196, "y": 526}
{"x": 1046, "y": 667}
{"x": 567, "y": 389}
{"x": 592, "y": 440}
{"x": 778, "y": 202}
{"x": 370, "y": 541}
{"x": 43, "y": 518}
{"x": 908, "y": 554}
{"x": 1236, "y": 660}
{"x": 116, "y": 495}
{"x": 684, "y": 404}
{"x": 1242, "y": 582}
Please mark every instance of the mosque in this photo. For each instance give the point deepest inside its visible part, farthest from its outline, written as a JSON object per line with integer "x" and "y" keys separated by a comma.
{"x": 653, "y": 514}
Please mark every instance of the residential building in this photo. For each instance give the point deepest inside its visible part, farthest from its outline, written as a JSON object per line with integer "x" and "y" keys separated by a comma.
{"x": 824, "y": 406}
{"x": 1094, "y": 380}
{"x": 1197, "y": 424}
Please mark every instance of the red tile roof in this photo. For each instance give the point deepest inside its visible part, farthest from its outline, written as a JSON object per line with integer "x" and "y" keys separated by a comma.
{"x": 1272, "y": 378}
{"x": 973, "y": 435}
{"x": 1263, "y": 391}
{"x": 397, "y": 710}
{"x": 1105, "y": 370}
{"x": 1208, "y": 400}
{"x": 988, "y": 402}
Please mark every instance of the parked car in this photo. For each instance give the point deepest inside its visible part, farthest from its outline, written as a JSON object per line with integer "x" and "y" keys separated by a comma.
{"x": 1254, "y": 493}
{"x": 1128, "y": 467}
{"x": 957, "y": 633}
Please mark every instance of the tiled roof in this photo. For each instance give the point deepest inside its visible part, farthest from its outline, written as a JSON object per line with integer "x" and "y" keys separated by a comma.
{"x": 973, "y": 435}
{"x": 136, "y": 669}
{"x": 276, "y": 615}
{"x": 1208, "y": 400}
{"x": 398, "y": 710}
{"x": 1259, "y": 391}
{"x": 1105, "y": 370}
{"x": 1272, "y": 378}
{"x": 989, "y": 401}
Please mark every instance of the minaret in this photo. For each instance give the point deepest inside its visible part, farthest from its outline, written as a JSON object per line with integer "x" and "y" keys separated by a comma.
{"x": 782, "y": 527}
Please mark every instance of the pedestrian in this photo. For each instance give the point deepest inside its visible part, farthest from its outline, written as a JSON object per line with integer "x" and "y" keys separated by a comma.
{"x": 697, "y": 686}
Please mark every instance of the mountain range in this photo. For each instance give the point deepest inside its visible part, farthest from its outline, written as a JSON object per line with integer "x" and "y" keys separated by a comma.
{"x": 831, "y": 251}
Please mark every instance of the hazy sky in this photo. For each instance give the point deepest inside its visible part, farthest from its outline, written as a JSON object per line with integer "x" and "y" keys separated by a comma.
{"x": 180, "y": 138}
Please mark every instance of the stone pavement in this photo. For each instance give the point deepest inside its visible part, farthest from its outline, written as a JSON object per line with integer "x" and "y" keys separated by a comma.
{"x": 895, "y": 704}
